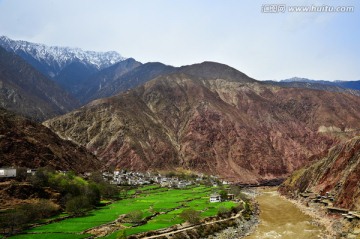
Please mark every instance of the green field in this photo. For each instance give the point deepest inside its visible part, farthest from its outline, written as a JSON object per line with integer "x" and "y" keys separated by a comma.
{"x": 51, "y": 235}
{"x": 152, "y": 199}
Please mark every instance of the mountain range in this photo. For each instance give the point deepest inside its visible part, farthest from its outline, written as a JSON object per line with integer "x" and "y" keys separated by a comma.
{"x": 66, "y": 66}
{"x": 206, "y": 117}
{"x": 211, "y": 118}
{"x": 352, "y": 87}
{"x": 26, "y": 91}
{"x": 355, "y": 85}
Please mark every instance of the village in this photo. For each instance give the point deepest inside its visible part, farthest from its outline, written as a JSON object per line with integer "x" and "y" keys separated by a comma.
{"x": 132, "y": 178}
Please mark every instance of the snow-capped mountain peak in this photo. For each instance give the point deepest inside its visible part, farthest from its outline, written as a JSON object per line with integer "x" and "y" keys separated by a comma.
{"x": 61, "y": 56}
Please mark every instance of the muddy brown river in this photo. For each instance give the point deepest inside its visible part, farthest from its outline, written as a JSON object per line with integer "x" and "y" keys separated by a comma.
{"x": 279, "y": 218}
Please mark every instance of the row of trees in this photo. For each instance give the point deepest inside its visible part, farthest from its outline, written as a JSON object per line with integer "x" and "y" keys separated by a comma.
{"x": 76, "y": 196}
{"x": 19, "y": 216}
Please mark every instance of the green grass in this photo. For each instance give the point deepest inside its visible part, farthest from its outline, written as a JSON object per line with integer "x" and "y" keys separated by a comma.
{"x": 152, "y": 199}
{"x": 51, "y": 235}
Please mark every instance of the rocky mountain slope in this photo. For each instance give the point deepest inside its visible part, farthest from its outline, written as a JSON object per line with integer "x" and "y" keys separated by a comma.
{"x": 336, "y": 172}
{"x": 27, "y": 144}
{"x": 104, "y": 79}
{"x": 118, "y": 78}
{"x": 26, "y": 91}
{"x": 214, "y": 70}
{"x": 226, "y": 124}
{"x": 112, "y": 81}
{"x": 67, "y": 66}
{"x": 352, "y": 87}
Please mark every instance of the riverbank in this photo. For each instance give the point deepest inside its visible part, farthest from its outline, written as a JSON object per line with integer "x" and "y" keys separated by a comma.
{"x": 235, "y": 227}
{"x": 337, "y": 227}
{"x": 242, "y": 227}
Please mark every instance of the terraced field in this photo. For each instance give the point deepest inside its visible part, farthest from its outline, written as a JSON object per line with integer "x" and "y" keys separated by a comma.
{"x": 163, "y": 204}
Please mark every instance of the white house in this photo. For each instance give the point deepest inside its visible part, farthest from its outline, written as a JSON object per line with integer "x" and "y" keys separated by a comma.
{"x": 215, "y": 198}
{"x": 31, "y": 171}
{"x": 7, "y": 172}
{"x": 117, "y": 173}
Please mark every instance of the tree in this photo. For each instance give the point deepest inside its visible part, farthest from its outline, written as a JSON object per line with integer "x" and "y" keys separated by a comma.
{"x": 236, "y": 190}
{"x": 223, "y": 195}
{"x": 96, "y": 177}
{"x": 78, "y": 205}
{"x": 40, "y": 179}
{"x": 92, "y": 193}
{"x": 190, "y": 215}
{"x": 108, "y": 190}
{"x": 21, "y": 174}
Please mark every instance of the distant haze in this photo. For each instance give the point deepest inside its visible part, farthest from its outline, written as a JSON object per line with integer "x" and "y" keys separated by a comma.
{"x": 265, "y": 46}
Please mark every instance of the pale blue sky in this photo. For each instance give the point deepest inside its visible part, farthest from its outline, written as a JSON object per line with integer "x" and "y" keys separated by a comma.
{"x": 180, "y": 32}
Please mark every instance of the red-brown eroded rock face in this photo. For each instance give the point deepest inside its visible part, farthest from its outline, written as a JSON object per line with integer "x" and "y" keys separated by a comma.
{"x": 338, "y": 172}
{"x": 244, "y": 131}
{"x": 27, "y": 144}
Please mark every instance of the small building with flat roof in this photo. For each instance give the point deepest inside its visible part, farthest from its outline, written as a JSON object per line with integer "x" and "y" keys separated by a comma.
{"x": 7, "y": 172}
{"x": 215, "y": 198}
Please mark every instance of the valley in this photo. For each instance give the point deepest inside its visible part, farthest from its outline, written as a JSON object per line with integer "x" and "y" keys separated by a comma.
{"x": 70, "y": 119}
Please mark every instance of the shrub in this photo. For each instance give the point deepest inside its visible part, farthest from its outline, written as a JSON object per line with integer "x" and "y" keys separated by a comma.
{"x": 244, "y": 197}
{"x": 247, "y": 211}
{"x": 223, "y": 195}
{"x": 135, "y": 216}
{"x": 121, "y": 234}
{"x": 20, "y": 216}
{"x": 40, "y": 209}
{"x": 190, "y": 215}
{"x": 237, "y": 208}
{"x": 223, "y": 212}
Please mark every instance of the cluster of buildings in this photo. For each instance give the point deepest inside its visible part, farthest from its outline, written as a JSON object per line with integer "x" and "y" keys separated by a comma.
{"x": 122, "y": 177}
